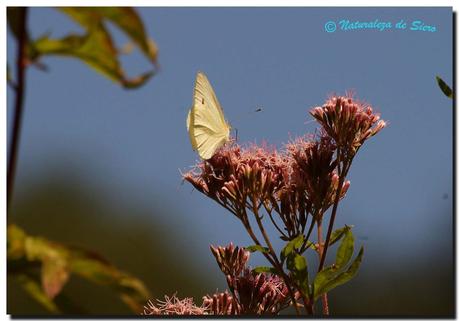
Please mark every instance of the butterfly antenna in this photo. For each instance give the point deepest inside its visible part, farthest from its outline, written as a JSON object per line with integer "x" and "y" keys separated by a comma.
{"x": 244, "y": 115}
{"x": 258, "y": 109}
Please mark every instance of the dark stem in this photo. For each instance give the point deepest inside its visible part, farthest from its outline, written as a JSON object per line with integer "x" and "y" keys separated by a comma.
{"x": 278, "y": 265}
{"x": 332, "y": 221}
{"x": 315, "y": 215}
{"x": 273, "y": 258}
{"x": 19, "y": 104}
{"x": 308, "y": 304}
{"x": 342, "y": 171}
{"x": 274, "y": 222}
{"x": 342, "y": 175}
{"x": 325, "y": 309}
{"x": 262, "y": 230}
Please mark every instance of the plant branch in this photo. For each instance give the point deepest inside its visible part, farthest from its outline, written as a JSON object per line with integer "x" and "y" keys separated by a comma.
{"x": 273, "y": 260}
{"x": 342, "y": 175}
{"x": 330, "y": 225}
{"x": 325, "y": 309}
{"x": 306, "y": 239}
{"x": 274, "y": 222}
{"x": 19, "y": 104}
{"x": 262, "y": 230}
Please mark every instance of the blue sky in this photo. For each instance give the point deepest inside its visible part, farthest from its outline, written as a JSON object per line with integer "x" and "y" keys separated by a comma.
{"x": 133, "y": 143}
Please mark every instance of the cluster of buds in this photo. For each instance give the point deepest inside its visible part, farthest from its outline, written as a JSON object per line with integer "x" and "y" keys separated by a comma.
{"x": 221, "y": 304}
{"x": 231, "y": 260}
{"x": 347, "y": 121}
{"x": 313, "y": 176}
{"x": 240, "y": 178}
{"x": 260, "y": 293}
{"x": 252, "y": 293}
{"x": 302, "y": 180}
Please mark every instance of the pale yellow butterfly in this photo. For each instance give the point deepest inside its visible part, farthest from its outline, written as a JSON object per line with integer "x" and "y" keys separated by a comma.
{"x": 206, "y": 124}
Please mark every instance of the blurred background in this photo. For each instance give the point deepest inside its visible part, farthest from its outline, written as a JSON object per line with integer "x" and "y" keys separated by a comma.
{"x": 100, "y": 166}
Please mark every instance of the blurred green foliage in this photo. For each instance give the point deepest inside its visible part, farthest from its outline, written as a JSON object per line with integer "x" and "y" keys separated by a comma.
{"x": 65, "y": 207}
{"x": 43, "y": 267}
{"x": 95, "y": 46}
{"x": 35, "y": 260}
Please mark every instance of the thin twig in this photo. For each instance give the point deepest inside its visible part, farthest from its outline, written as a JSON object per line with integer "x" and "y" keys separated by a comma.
{"x": 342, "y": 172}
{"x": 19, "y": 104}
{"x": 342, "y": 176}
{"x": 273, "y": 258}
{"x": 274, "y": 222}
{"x": 306, "y": 239}
{"x": 330, "y": 225}
{"x": 325, "y": 309}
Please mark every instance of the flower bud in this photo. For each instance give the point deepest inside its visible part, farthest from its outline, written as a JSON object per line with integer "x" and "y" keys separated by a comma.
{"x": 230, "y": 259}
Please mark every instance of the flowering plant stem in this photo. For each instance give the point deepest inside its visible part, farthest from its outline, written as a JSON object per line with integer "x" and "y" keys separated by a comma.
{"x": 19, "y": 104}
{"x": 342, "y": 172}
{"x": 325, "y": 310}
{"x": 298, "y": 185}
{"x": 271, "y": 256}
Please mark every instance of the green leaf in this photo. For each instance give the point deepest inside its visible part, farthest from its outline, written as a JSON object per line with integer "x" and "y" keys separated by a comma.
{"x": 345, "y": 249}
{"x": 265, "y": 269}
{"x": 326, "y": 281}
{"x": 297, "y": 264}
{"x": 338, "y": 234}
{"x": 323, "y": 277}
{"x": 92, "y": 267}
{"x": 444, "y": 87}
{"x": 26, "y": 254}
{"x": 311, "y": 245}
{"x": 133, "y": 292}
{"x": 54, "y": 271}
{"x": 95, "y": 49}
{"x": 55, "y": 274}
{"x": 34, "y": 289}
{"x": 95, "y": 46}
{"x": 300, "y": 263}
{"x": 256, "y": 248}
{"x": 296, "y": 243}
{"x": 15, "y": 242}
{"x": 125, "y": 18}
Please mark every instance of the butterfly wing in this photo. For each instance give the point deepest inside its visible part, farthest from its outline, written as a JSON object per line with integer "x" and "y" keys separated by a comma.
{"x": 206, "y": 124}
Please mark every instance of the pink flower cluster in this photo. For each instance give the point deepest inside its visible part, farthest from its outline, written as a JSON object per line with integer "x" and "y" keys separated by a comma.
{"x": 347, "y": 121}
{"x": 236, "y": 177}
{"x": 250, "y": 292}
{"x": 300, "y": 180}
{"x": 173, "y": 306}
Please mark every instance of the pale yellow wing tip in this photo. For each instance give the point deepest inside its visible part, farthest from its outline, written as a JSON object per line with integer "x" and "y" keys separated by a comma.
{"x": 188, "y": 120}
{"x": 200, "y": 77}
